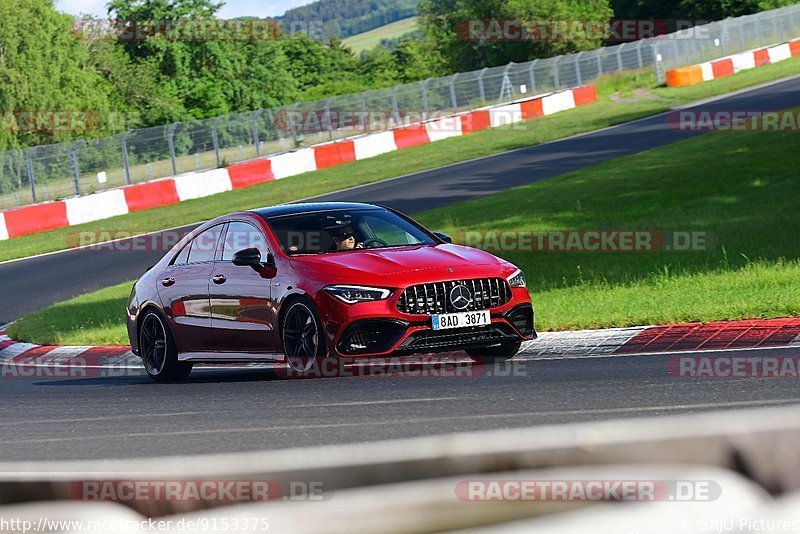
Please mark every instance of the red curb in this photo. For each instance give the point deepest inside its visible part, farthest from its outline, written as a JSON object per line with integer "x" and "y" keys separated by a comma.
{"x": 714, "y": 336}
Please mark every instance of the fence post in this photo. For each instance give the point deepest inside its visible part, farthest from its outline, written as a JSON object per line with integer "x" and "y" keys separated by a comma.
{"x": 395, "y": 109}
{"x": 76, "y": 172}
{"x": 619, "y": 57}
{"x": 29, "y": 165}
{"x": 758, "y": 30}
{"x": 578, "y": 76}
{"x": 533, "y": 76}
{"x": 297, "y": 140}
{"x": 503, "y": 85}
{"x": 480, "y": 84}
{"x": 599, "y": 63}
{"x": 741, "y": 37}
{"x": 215, "y": 139}
{"x": 425, "y": 99}
{"x": 171, "y": 143}
{"x": 453, "y": 97}
{"x": 326, "y": 119}
{"x": 256, "y": 140}
{"x": 124, "y": 144}
{"x": 639, "y": 54}
{"x": 364, "y": 111}
{"x": 556, "y": 78}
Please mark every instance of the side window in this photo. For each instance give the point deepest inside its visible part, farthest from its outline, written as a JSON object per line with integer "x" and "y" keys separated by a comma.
{"x": 240, "y": 236}
{"x": 204, "y": 246}
{"x": 183, "y": 257}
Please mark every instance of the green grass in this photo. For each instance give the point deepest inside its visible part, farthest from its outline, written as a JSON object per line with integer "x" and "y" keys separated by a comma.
{"x": 588, "y": 118}
{"x": 372, "y": 38}
{"x": 96, "y": 318}
{"x": 741, "y": 189}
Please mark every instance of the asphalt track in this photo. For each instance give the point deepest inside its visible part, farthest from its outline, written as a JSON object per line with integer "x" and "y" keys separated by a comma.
{"x": 220, "y": 410}
{"x": 223, "y": 410}
{"x": 30, "y": 284}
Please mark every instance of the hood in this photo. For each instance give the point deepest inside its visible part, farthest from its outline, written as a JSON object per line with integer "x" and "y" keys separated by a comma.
{"x": 395, "y": 260}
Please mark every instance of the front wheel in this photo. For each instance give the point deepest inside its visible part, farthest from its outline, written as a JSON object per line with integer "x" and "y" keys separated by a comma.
{"x": 159, "y": 354}
{"x": 495, "y": 354}
{"x": 303, "y": 337}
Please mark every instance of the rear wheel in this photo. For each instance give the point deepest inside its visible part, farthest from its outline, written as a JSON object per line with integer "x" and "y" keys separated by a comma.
{"x": 303, "y": 337}
{"x": 159, "y": 354}
{"x": 497, "y": 353}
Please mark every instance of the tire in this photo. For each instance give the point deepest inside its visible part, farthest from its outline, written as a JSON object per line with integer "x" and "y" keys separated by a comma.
{"x": 498, "y": 353}
{"x": 158, "y": 350}
{"x": 303, "y": 338}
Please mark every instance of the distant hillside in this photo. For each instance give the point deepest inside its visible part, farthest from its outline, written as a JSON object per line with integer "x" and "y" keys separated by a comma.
{"x": 384, "y": 36}
{"x": 342, "y": 18}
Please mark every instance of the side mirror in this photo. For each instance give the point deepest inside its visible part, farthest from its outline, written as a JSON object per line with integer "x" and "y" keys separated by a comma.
{"x": 444, "y": 237}
{"x": 251, "y": 257}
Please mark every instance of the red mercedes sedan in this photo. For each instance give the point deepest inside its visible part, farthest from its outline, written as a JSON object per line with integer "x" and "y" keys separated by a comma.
{"x": 303, "y": 282}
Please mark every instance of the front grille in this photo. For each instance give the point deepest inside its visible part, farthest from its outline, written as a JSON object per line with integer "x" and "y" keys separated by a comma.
{"x": 428, "y": 299}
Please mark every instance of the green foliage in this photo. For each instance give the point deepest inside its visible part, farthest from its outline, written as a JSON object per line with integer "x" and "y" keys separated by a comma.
{"x": 445, "y": 23}
{"x": 692, "y": 9}
{"x": 44, "y": 67}
{"x": 342, "y": 18}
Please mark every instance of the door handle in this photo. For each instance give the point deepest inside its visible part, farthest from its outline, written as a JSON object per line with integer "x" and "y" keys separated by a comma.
{"x": 166, "y": 282}
{"x": 219, "y": 279}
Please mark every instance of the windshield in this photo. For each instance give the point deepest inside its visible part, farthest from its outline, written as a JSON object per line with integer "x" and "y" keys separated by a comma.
{"x": 345, "y": 230}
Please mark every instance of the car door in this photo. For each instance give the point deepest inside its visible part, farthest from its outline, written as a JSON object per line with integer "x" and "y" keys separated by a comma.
{"x": 242, "y": 314}
{"x": 183, "y": 289}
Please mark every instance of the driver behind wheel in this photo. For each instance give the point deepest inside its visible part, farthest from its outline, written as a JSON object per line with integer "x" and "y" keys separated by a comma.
{"x": 344, "y": 240}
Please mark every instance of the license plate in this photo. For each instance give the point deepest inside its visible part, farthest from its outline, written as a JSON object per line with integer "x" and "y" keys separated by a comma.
{"x": 460, "y": 320}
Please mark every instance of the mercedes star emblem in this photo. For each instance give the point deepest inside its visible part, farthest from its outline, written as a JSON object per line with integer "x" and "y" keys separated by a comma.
{"x": 460, "y": 297}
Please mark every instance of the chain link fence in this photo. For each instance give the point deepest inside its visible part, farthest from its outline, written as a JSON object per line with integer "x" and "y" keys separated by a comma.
{"x": 59, "y": 171}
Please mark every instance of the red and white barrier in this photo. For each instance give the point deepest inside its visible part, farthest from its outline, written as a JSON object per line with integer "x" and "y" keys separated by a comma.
{"x": 444, "y": 128}
{"x": 293, "y": 163}
{"x": 3, "y": 229}
{"x": 96, "y": 207}
{"x": 720, "y": 68}
{"x": 202, "y": 184}
{"x": 374, "y": 145}
{"x": 163, "y": 192}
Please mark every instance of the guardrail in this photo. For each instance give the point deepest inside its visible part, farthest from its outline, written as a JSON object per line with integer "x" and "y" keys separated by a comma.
{"x": 413, "y": 485}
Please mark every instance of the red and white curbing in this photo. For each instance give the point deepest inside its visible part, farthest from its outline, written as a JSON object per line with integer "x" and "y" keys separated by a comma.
{"x": 726, "y": 66}
{"x": 720, "y": 335}
{"x": 20, "y": 359}
{"x": 63, "y": 213}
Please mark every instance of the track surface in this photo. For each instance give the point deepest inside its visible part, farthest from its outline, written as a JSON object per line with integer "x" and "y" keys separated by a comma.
{"x": 34, "y": 283}
{"x": 227, "y": 411}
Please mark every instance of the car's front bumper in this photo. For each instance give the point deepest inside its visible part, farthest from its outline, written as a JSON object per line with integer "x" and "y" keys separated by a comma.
{"x": 378, "y": 336}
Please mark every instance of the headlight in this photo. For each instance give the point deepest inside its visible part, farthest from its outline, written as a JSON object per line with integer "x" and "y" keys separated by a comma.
{"x": 517, "y": 279}
{"x": 354, "y": 294}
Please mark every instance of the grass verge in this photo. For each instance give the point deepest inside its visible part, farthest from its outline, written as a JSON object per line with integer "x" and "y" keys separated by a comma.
{"x": 740, "y": 190}
{"x": 607, "y": 112}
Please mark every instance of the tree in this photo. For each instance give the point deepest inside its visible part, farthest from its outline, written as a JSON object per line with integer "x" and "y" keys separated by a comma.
{"x": 44, "y": 68}
{"x": 214, "y": 69}
{"x": 448, "y": 22}
{"x": 702, "y": 10}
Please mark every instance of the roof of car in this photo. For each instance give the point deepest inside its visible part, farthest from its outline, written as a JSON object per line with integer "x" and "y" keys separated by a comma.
{"x": 294, "y": 209}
